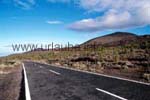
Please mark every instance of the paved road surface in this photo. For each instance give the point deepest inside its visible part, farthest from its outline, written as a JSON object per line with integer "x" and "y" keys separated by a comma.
{"x": 53, "y": 83}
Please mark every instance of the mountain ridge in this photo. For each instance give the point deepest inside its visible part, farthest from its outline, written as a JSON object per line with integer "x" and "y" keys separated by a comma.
{"x": 115, "y": 39}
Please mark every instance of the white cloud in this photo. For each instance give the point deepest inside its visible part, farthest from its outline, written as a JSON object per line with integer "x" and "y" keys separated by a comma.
{"x": 62, "y": 1}
{"x": 118, "y": 14}
{"x": 31, "y": 1}
{"x": 25, "y": 4}
{"x": 54, "y": 22}
{"x": 105, "y": 5}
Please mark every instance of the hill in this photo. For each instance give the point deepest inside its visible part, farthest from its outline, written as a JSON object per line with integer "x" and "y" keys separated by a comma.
{"x": 116, "y": 39}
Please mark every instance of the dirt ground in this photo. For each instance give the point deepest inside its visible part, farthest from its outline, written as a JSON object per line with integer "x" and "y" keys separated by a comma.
{"x": 10, "y": 83}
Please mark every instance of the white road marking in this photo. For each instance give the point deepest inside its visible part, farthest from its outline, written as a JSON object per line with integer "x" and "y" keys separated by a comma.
{"x": 27, "y": 91}
{"x": 121, "y": 98}
{"x": 54, "y": 72}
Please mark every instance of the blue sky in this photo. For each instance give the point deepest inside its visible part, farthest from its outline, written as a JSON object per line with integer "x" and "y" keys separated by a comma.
{"x": 74, "y": 21}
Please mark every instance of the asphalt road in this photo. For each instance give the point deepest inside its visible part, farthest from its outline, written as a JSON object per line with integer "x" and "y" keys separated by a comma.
{"x": 54, "y": 83}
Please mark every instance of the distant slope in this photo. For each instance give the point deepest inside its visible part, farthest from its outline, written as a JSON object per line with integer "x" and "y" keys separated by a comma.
{"x": 116, "y": 39}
